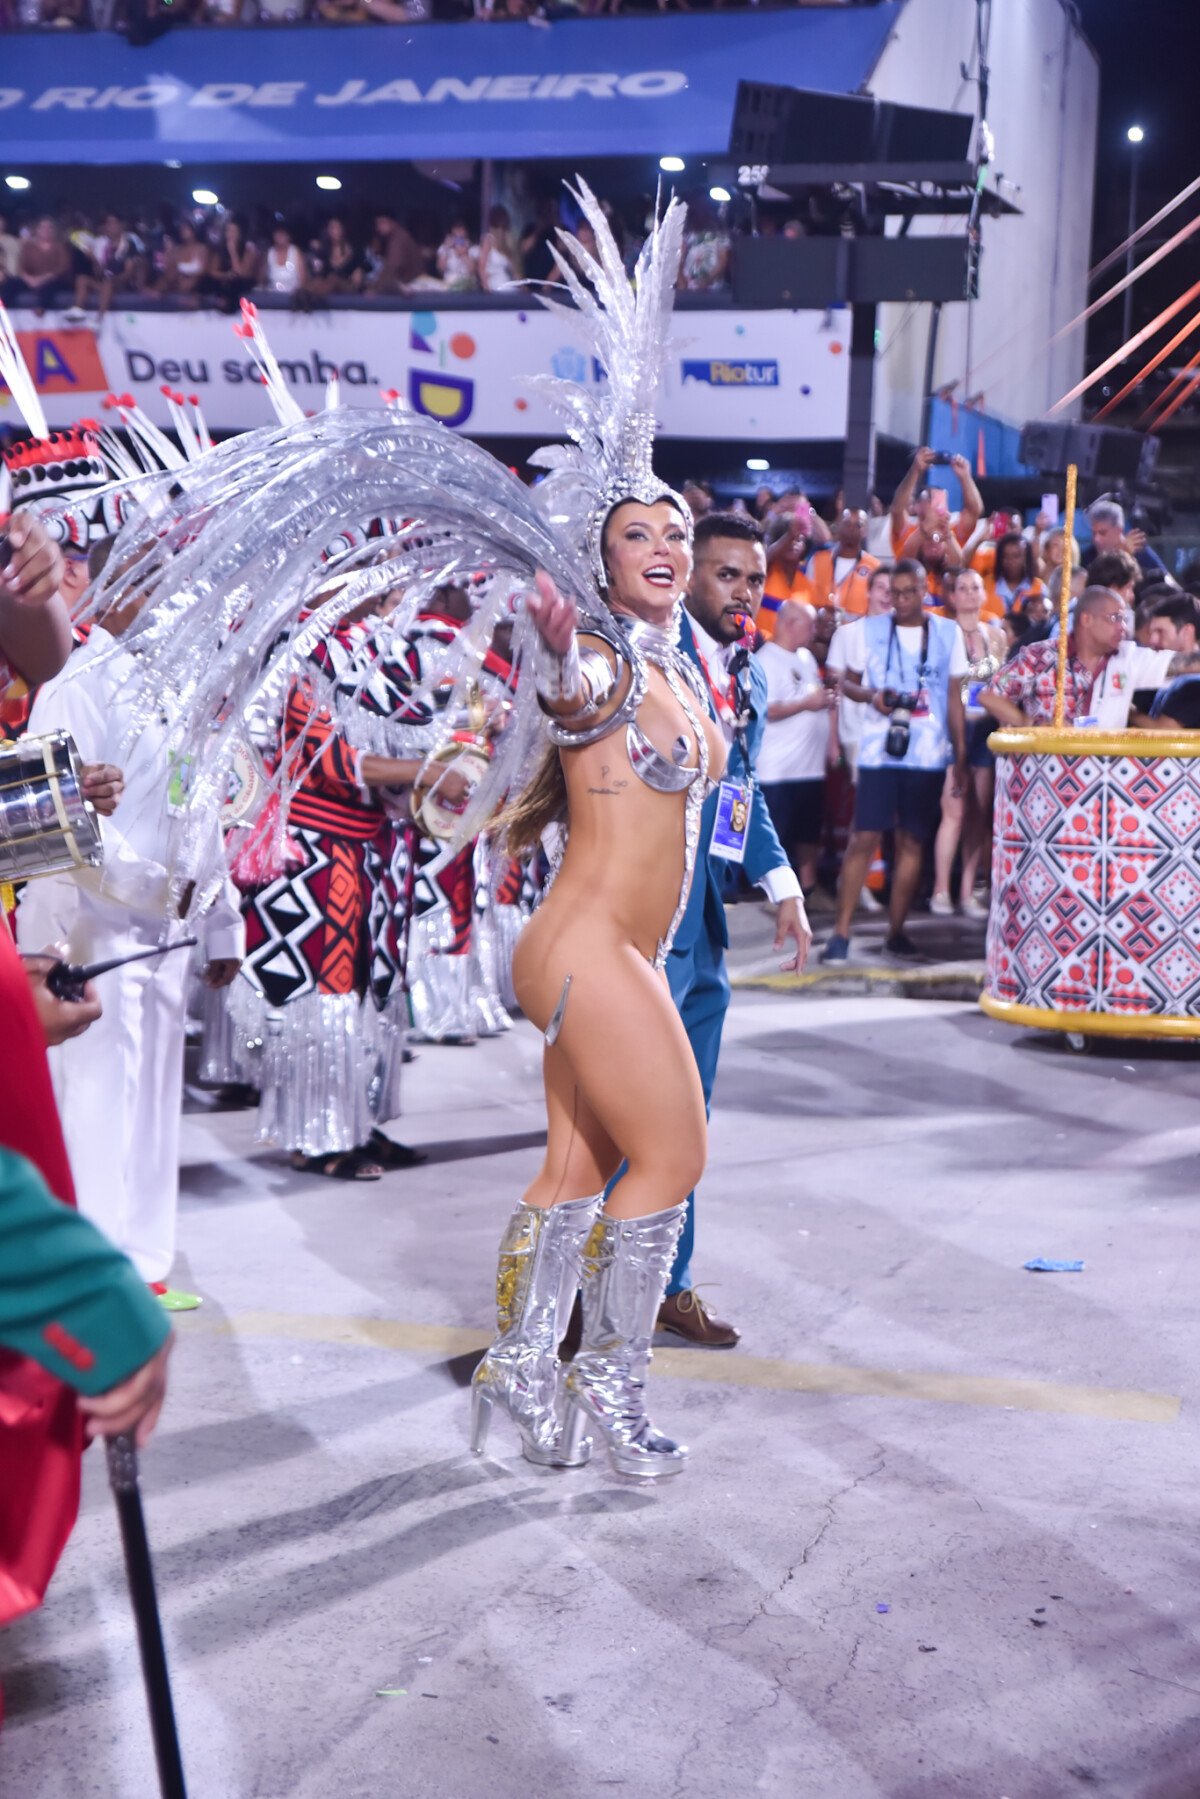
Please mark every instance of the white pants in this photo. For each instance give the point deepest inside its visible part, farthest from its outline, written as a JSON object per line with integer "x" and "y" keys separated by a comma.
{"x": 120, "y": 1095}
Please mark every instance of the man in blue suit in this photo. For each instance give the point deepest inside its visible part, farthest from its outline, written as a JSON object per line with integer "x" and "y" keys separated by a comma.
{"x": 726, "y": 587}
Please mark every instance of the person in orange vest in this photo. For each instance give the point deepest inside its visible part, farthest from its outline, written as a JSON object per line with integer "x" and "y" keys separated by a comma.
{"x": 786, "y": 579}
{"x": 840, "y": 573}
{"x": 1013, "y": 577}
{"x": 913, "y": 513}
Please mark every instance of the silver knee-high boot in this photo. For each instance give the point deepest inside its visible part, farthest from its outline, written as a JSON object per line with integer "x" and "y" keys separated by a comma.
{"x": 625, "y": 1269}
{"x": 536, "y": 1280}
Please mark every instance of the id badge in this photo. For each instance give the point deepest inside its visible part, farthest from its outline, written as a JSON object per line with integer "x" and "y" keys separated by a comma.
{"x": 732, "y": 823}
{"x": 974, "y": 689}
{"x": 179, "y": 782}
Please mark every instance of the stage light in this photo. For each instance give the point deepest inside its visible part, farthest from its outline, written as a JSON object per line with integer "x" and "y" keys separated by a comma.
{"x": 758, "y": 463}
{"x": 1135, "y": 134}
{"x": 329, "y": 183}
{"x": 172, "y": 163}
{"x": 721, "y": 195}
{"x": 204, "y": 196}
{"x": 18, "y": 183}
{"x": 672, "y": 165}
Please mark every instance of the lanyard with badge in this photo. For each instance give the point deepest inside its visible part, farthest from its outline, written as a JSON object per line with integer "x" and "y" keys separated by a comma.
{"x": 734, "y": 797}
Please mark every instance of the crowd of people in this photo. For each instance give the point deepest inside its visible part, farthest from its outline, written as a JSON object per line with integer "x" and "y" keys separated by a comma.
{"x": 211, "y": 258}
{"x": 145, "y": 17}
{"x": 895, "y": 640}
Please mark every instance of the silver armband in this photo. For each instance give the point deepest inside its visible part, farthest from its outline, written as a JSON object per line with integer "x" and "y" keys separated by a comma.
{"x": 557, "y": 677}
{"x": 583, "y": 675}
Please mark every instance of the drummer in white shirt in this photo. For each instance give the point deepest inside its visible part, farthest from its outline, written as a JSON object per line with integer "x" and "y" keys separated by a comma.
{"x": 791, "y": 763}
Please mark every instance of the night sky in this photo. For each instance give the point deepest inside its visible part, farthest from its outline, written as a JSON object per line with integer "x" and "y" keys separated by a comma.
{"x": 1147, "y": 63}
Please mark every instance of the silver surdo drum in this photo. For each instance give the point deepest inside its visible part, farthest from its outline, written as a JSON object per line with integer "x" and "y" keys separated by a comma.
{"x": 46, "y": 825}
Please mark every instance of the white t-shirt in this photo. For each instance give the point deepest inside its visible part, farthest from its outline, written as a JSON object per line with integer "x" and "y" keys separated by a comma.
{"x": 793, "y": 749}
{"x": 850, "y": 712}
{"x": 1122, "y": 675}
{"x": 929, "y": 741}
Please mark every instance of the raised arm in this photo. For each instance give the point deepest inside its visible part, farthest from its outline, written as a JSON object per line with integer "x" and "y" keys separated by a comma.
{"x": 35, "y": 626}
{"x": 971, "y": 510}
{"x": 576, "y": 684}
{"x": 902, "y": 499}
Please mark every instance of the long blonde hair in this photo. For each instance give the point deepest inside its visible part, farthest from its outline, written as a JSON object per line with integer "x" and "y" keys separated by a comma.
{"x": 541, "y": 802}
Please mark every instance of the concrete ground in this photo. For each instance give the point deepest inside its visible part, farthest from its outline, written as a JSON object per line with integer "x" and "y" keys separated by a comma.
{"x": 937, "y": 1537}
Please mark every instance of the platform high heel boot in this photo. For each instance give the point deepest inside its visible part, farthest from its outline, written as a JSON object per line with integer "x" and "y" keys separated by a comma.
{"x": 625, "y": 1269}
{"x": 537, "y": 1278}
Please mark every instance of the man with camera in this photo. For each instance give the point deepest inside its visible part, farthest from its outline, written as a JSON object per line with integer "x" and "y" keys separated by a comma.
{"x": 907, "y": 667}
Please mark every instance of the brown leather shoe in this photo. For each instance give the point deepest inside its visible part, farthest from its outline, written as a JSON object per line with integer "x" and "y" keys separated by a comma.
{"x": 687, "y": 1315}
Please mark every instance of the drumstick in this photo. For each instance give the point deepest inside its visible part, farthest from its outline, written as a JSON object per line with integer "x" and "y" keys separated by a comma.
{"x": 67, "y": 980}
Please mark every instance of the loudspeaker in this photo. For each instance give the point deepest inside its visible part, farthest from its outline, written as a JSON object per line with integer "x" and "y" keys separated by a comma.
{"x": 836, "y": 271}
{"x": 788, "y": 124}
{"x": 1100, "y": 452}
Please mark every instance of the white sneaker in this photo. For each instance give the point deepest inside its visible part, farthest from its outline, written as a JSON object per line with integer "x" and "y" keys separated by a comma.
{"x": 867, "y": 901}
{"x": 973, "y": 908}
{"x": 941, "y": 905}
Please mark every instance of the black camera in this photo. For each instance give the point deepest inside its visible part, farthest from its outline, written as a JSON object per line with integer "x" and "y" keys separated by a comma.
{"x": 900, "y": 706}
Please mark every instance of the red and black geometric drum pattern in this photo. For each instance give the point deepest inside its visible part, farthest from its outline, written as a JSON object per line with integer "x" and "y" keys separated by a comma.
{"x": 1096, "y": 884}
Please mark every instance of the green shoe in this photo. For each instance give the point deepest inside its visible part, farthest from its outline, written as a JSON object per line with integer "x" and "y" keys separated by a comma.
{"x": 171, "y": 1299}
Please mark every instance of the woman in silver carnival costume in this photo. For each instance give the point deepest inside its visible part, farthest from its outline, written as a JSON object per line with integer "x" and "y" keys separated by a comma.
{"x": 591, "y": 568}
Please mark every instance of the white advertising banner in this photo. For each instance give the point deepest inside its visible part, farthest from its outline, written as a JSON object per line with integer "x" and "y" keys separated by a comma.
{"x": 771, "y": 375}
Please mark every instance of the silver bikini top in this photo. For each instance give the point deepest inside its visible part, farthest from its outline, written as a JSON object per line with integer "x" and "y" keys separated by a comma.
{"x": 636, "y": 644}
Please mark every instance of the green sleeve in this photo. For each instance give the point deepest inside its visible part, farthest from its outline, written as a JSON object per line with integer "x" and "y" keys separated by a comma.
{"x": 69, "y": 1300}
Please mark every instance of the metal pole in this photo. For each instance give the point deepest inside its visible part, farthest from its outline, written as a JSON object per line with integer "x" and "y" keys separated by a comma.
{"x": 935, "y": 319}
{"x": 858, "y": 466}
{"x": 1127, "y": 313}
{"x": 139, "y": 1571}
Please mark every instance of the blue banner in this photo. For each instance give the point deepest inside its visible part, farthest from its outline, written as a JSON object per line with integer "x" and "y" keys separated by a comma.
{"x": 289, "y": 94}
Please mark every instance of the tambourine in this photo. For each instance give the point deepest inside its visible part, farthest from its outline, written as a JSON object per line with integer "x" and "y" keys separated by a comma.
{"x": 468, "y": 756}
{"x": 46, "y": 825}
{"x": 245, "y": 791}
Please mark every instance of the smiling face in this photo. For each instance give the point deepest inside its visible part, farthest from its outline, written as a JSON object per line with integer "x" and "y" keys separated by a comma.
{"x": 648, "y": 558}
{"x": 727, "y": 584}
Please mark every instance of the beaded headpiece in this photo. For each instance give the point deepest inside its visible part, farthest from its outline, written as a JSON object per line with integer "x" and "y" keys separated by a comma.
{"x": 624, "y": 326}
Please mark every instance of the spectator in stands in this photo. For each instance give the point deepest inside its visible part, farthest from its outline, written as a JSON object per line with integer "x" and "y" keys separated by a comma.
{"x": 706, "y": 245}
{"x": 118, "y": 266}
{"x": 699, "y": 498}
{"x": 536, "y": 240}
{"x": 934, "y": 545}
{"x": 763, "y": 501}
{"x": 44, "y": 267}
{"x": 1053, "y": 546}
{"x": 925, "y": 511}
{"x": 790, "y": 765}
{"x": 284, "y": 271}
{"x": 787, "y": 559}
{"x": 186, "y": 262}
{"x": 1107, "y": 520}
{"x": 1013, "y": 575}
{"x": 1033, "y": 620}
{"x": 337, "y": 263}
{"x": 497, "y": 253}
{"x": 10, "y": 261}
{"x": 458, "y": 259}
{"x": 839, "y": 573}
{"x": 1174, "y": 623}
{"x": 1104, "y": 671}
{"x": 1116, "y": 570}
{"x": 1177, "y": 707}
{"x": 395, "y": 257}
{"x": 845, "y": 719}
{"x": 967, "y": 809}
{"x": 908, "y": 670}
{"x": 235, "y": 266}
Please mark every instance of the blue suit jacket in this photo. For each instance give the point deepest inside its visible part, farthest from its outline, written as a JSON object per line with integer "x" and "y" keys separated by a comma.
{"x": 706, "y": 905}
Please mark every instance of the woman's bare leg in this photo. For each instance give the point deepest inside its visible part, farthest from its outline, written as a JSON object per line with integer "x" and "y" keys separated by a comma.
{"x": 621, "y": 1082}
{"x": 946, "y": 842}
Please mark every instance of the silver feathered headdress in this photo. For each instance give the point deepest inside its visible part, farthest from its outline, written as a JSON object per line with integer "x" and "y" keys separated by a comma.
{"x": 625, "y": 326}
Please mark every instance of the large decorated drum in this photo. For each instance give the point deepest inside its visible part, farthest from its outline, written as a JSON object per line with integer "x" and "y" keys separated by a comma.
{"x": 1095, "y": 916}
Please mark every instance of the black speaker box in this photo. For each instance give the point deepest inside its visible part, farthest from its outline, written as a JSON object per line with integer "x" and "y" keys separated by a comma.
{"x": 1100, "y": 452}
{"x": 834, "y": 271}
{"x": 788, "y": 124}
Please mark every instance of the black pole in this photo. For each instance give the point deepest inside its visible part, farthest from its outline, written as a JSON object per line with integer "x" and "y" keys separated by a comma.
{"x": 858, "y": 467}
{"x": 935, "y": 319}
{"x": 139, "y": 1571}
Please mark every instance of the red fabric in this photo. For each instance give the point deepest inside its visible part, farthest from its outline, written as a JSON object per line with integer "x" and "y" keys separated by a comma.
{"x": 41, "y": 1432}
